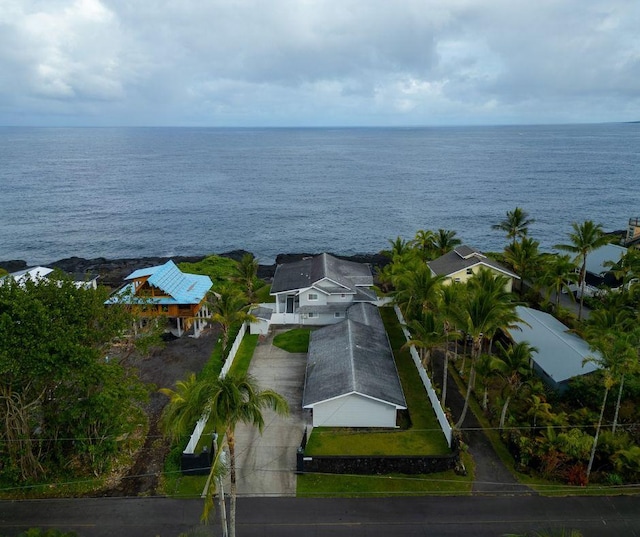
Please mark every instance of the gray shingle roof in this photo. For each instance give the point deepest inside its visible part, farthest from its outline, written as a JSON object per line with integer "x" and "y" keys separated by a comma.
{"x": 352, "y": 357}
{"x": 303, "y": 274}
{"x": 464, "y": 257}
{"x": 366, "y": 314}
{"x": 261, "y": 312}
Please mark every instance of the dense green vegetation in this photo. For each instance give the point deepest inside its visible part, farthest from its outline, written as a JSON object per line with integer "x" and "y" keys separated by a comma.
{"x": 72, "y": 411}
{"x": 225, "y": 273}
{"x": 586, "y": 435}
{"x": 68, "y": 410}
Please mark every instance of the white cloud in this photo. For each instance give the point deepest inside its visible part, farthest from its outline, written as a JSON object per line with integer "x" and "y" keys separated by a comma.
{"x": 318, "y": 61}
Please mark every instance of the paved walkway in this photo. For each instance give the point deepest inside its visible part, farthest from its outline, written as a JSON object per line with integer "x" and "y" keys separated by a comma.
{"x": 266, "y": 463}
{"x": 491, "y": 477}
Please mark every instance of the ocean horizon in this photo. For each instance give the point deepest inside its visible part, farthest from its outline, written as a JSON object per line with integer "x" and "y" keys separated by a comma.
{"x": 166, "y": 191}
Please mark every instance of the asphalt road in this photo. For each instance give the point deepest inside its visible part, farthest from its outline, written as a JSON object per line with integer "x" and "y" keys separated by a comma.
{"x": 283, "y": 517}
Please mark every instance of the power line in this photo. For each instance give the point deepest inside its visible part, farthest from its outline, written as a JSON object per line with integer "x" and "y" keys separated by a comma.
{"x": 347, "y": 433}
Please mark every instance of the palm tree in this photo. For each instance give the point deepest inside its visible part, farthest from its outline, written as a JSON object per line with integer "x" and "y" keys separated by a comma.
{"x": 235, "y": 400}
{"x": 399, "y": 247}
{"x": 608, "y": 383}
{"x": 524, "y": 258}
{"x": 449, "y": 297}
{"x": 618, "y": 324}
{"x": 228, "y": 309}
{"x": 426, "y": 335}
{"x": 229, "y": 400}
{"x": 424, "y": 242}
{"x": 485, "y": 368}
{"x": 247, "y": 273}
{"x": 515, "y": 225}
{"x": 538, "y": 408}
{"x": 481, "y": 313}
{"x": 513, "y": 365}
{"x": 585, "y": 238}
{"x": 445, "y": 240}
{"x": 186, "y": 404}
{"x": 557, "y": 276}
{"x": 627, "y": 268}
{"x": 618, "y": 353}
{"x": 417, "y": 290}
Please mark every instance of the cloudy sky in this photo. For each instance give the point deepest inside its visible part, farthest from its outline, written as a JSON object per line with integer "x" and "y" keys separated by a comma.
{"x": 318, "y": 62}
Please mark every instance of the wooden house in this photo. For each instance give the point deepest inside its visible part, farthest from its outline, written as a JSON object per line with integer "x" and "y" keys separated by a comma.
{"x": 166, "y": 291}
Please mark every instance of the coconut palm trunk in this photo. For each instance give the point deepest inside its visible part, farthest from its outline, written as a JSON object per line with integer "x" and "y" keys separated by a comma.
{"x": 617, "y": 412}
{"x": 445, "y": 367}
{"x": 503, "y": 414}
{"x": 230, "y": 400}
{"x": 595, "y": 439}
{"x": 231, "y": 440}
{"x": 475, "y": 352}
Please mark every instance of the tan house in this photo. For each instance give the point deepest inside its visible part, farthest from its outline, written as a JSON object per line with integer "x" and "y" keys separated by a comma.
{"x": 463, "y": 262}
{"x": 166, "y": 291}
{"x": 632, "y": 239}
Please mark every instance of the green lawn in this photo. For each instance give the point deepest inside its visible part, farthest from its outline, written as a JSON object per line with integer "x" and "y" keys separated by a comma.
{"x": 296, "y": 340}
{"x": 424, "y": 435}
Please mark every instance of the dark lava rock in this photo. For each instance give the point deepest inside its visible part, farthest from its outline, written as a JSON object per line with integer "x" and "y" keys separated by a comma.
{"x": 112, "y": 272}
{"x": 14, "y": 265}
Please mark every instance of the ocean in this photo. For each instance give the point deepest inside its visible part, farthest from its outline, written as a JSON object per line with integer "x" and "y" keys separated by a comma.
{"x": 131, "y": 192}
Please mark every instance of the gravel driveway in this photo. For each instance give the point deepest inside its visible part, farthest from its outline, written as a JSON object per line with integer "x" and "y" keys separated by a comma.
{"x": 266, "y": 464}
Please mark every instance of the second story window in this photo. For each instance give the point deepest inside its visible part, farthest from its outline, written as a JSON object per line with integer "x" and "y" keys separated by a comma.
{"x": 313, "y": 296}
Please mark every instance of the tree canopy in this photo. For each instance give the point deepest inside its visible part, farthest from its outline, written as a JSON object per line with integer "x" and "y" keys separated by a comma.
{"x": 64, "y": 404}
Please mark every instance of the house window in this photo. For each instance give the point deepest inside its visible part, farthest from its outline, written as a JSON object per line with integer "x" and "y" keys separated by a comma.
{"x": 469, "y": 271}
{"x": 312, "y": 315}
{"x": 457, "y": 280}
{"x": 164, "y": 308}
{"x": 337, "y": 314}
{"x": 343, "y": 295}
{"x": 313, "y": 296}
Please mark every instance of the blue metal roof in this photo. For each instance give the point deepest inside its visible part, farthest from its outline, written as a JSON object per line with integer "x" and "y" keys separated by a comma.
{"x": 182, "y": 288}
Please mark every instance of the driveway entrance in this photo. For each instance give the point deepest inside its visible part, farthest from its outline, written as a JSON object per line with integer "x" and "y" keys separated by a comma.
{"x": 266, "y": 463}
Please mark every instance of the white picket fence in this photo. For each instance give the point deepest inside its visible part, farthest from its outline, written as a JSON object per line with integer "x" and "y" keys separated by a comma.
{"x": 426, "y": 381}
{"x": 202, "y": 422}
{"x": 233, "y": 351}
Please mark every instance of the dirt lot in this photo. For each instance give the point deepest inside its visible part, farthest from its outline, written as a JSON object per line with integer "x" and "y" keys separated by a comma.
{"x": 161, "y": 370}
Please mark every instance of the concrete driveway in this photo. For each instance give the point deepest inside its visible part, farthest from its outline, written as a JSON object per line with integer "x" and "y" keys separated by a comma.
{"x": 266, "y": 463}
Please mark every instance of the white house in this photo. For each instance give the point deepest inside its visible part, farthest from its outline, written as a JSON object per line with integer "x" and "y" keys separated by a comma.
{"x": 39, "y": 273}
{"x": 315, "y": 291}
{"x": 351, "y": 378}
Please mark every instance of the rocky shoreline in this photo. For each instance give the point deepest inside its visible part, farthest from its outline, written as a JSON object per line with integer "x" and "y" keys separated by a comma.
{"x": 112, "y": 272}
